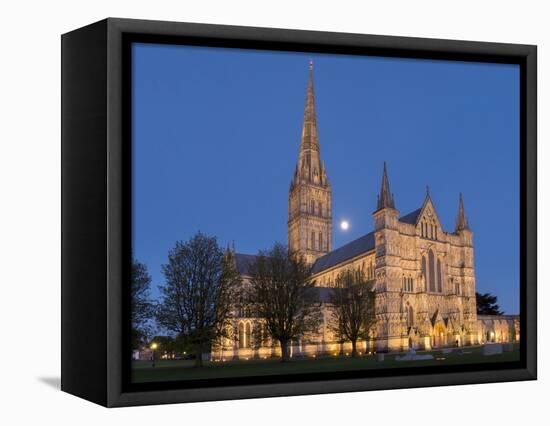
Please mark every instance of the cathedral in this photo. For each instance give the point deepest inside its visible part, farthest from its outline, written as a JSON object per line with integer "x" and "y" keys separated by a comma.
{"x": 423, "y": 276}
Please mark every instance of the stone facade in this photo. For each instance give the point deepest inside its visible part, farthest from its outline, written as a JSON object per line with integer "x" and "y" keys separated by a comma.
{"x": 423, "y": 276}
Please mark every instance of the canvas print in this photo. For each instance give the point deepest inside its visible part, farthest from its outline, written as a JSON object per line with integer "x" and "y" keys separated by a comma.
{"x": 297, "y": 213}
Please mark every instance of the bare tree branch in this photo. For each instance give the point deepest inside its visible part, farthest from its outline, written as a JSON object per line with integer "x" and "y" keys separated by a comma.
{"x": 281, "y": 294}
{"x": 352, "y": 301}
{"x": 200, "y": 286}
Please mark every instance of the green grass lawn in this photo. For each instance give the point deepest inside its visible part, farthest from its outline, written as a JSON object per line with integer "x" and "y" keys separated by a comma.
{"x": 166, "y": 370}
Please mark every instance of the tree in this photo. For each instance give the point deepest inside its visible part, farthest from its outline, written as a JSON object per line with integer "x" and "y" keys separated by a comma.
{"x": 170, "y": 345}
{"x": 165, "y": 345}
{"x": 352, "y": 301}
{"x": 198, "y": 290}
{"x": 281, "y": 294}
{"x": 486, "y": 304}
{"x": 141, "y": 306}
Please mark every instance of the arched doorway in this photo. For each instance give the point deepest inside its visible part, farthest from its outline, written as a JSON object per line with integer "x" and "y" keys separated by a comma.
{"x": 440, "y": 335}
{"x": 412, "y": 339}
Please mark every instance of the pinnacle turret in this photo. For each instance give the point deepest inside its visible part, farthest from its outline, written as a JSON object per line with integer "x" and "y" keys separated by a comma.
{"x": 461, "y": 219}
{"x": 385, "y": 198}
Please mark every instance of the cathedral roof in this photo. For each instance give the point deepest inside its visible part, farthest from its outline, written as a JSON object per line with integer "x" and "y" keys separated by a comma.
{"x": 244, "y": 262}
{"x": 346, "y": 252}
{"x": 356, "y": 247}
{"x": 411, "y": 218}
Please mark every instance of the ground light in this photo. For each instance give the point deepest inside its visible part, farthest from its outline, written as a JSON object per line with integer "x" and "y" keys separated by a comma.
{"x": 154, "y": 346}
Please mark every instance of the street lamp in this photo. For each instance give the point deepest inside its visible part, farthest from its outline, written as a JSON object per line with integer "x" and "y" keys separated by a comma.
{"x": 154, "y": 345}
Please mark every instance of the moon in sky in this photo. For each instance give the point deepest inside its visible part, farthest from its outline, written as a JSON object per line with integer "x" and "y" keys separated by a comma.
{"x": 344, "y": 225}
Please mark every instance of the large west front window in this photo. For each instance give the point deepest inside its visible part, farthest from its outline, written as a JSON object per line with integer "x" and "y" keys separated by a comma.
{"x": 432, "y": 270}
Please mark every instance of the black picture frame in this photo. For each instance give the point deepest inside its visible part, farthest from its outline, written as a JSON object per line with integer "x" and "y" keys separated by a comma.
{"x": 96, "y": 227}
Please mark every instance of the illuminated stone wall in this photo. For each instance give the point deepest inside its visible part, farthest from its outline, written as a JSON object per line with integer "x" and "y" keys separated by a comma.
{"x": 423, "y": 277}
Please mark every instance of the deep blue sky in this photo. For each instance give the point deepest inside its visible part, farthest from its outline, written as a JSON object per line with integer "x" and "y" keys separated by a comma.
{"x": 217, "y": 132}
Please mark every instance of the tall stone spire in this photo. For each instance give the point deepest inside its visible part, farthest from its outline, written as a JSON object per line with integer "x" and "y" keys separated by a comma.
{"x": 385, "y": 198}
{"x": 309, "y": 162}
{"x": 309, "y": 130}
{"x": 310, "y": 195}
{"x": 461, "y": 219}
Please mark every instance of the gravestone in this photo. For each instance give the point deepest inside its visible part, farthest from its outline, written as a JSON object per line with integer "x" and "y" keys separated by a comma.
{"x": 492, "y": 349}
{"x": 413, "y": 356}
{"x": 508, "y": 347}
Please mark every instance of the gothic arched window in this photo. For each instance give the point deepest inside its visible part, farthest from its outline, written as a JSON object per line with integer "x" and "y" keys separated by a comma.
{"x": 410, "y": 316}
{"x": 242, "y": 336}
{"x": 320, "y": 209}
{"x": 265, "y": 334}
{"x": 425, "y": 273}
{"x": 312, "y": 207}
{"x": 320, "y": 241}
{"x": 431, "y": 267}
{"x": 248, "y": 335}
{"x": 439, "y": 276}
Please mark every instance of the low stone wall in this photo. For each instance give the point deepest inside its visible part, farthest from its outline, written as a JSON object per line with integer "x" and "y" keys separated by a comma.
{"x": 297, "y": 350}
{"x": 498, "y": 328}
{"x": 490, "y": 329}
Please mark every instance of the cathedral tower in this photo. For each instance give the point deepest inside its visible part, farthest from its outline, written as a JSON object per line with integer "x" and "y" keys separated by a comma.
{"x": 389, "y": 270}
{"x": 466, "y": 271}
{"x": 310, "y": 195}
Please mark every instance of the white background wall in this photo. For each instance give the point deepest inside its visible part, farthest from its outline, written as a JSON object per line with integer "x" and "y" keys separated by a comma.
{"x": 30, "y": 210}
